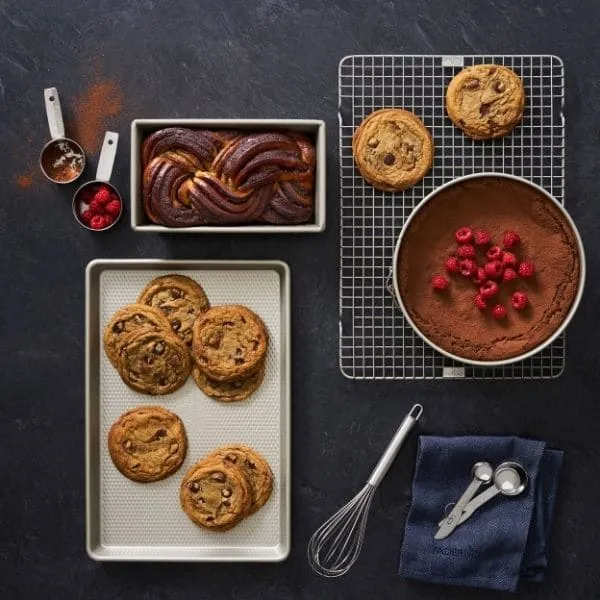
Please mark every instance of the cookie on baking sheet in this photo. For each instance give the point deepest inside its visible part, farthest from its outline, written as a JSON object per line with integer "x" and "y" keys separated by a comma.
{"x": 228, "y": 391}
{"x": 392, "y": 149}
{"x": 215, "y": 494}
{"x": 147, "y": 443}
{"x": 486, "y": 101}
{"x": 154, "y": 362}
{"x": 127, "y": 319}
{"x": 255, "y": 467}
{"x": 229, "y": 342}
{"x": 180, "y": 299}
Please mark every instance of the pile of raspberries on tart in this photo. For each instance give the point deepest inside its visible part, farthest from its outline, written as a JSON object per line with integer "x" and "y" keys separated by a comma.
{"x": 488, "y": 265}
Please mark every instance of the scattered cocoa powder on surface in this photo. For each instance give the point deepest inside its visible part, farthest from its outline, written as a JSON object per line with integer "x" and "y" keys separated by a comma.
{"x": 93, "y": 110}
{"x": 24, "y": 181}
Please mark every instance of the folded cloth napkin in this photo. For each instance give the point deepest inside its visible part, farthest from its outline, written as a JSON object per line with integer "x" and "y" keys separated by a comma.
{"x": 505, "y": 540}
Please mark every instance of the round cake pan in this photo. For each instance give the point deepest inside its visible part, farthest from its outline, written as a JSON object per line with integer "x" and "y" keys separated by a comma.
{"x": 545, "y": 343}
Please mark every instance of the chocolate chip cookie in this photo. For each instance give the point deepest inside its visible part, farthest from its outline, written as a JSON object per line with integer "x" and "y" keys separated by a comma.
{"x": 228, "y": 391}
{"x": 392, "y": 149}
{"x": 215, "y": 494}
{"x": 180, "y": 299}
{"x": 254, "y": 466}
{"x": 229, "y": 343}
{"x": 154, "y": 362}
{"x": 147, "y": 443}
{"x": 126, "y": 320}
{"x": 486, "y": 101}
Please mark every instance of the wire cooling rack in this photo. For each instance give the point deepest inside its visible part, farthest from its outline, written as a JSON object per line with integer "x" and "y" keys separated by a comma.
{"x": 375, "y": 340}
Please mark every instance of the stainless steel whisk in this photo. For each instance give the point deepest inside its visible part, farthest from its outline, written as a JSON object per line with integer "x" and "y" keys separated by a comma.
{"x": 335, "y": 546}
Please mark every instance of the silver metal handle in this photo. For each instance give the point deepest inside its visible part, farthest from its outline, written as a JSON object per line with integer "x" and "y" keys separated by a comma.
{"x": 54, "y": 113}
{"x": 478, "y": 502}
{"x": 386, "y": 460}
{"x": 107, "y": 156}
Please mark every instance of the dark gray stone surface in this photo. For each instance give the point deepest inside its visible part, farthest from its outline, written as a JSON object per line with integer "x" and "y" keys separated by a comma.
{"x": 274, "y": 58}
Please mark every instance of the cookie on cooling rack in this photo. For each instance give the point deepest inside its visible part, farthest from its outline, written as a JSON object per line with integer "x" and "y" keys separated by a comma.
{"x": 486, "y": 101}
{"x": 393, "y": 149}
{"x": 147, "y": 443}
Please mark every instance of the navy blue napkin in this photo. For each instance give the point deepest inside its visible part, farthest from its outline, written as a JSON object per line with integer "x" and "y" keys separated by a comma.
{"x": 506, "y": 540}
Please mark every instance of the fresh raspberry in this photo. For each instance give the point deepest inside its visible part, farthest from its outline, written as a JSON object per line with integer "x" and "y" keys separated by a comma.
{"x": 86, "y": 216}
{"x": 98, "y": 222}
{"x": 466, "y": 251}
{"x": 488, "y": 289}
{"x": 103, "y": 195}
{"x": 463, "y": 235}
{"x": 494, "y": 253}
{"x": 480, "y": 276}
{"x": 452, "y": 264}
{"x": 113, "y": 208}
{"x": 509, "y": 259}
{"x": 480, "y": 302}
{"x": 509, "y": 274}
{"x": 494, "y": 269}
{"x": 109, "y": 219}
{"x": 482, "y": 237}
{"x": 95, "y": 207}
{"x": 510, "y": 239}
{"x": 439, "y": 282}
{"x": 499, "y": 312}
{"x": 519, "y": 300}
{"x": 468, "y": 267}
{"x": 526, "y": 269}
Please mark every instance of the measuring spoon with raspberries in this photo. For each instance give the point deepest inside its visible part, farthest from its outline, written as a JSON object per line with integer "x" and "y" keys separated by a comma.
{"x": 97, "y": 204}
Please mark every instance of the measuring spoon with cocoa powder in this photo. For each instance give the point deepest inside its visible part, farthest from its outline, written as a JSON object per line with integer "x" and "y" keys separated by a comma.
{"x": 62, "y": 159}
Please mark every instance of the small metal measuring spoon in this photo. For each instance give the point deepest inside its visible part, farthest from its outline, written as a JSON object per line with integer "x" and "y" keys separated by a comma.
{"x": 510, "y": 479}
{"x": 62, "y": 159}
{"x": 482, "y": 473}
{"x": 103, "y": 173}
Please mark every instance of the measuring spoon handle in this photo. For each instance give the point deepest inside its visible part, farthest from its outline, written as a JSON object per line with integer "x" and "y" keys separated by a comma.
{"x": 107, "y": 156}
{"x": 54, "y": 113}
{"x": 478, "y": 502}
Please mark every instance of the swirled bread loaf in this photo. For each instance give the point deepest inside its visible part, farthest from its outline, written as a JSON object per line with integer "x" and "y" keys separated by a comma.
{"x": 223, "y": 177}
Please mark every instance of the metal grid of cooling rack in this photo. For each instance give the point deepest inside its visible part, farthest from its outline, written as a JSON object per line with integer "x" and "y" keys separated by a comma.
{"x": 375, "y": 340}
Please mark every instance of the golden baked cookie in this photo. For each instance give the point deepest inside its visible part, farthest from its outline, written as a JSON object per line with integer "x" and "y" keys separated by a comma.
{"x": 215, "y": 494}
{"x": 255, "y": 467}
{"x": 147, "y": 443}
{"x": 180, "y": 299}
{"x": 228, "y": 391}
{"x": 486, "y": 101}
{"x": 392, "y": 149}
{"x": 154, "y": 362}
{"x": 229, "y": 342}
{"x": 126, "y": 320}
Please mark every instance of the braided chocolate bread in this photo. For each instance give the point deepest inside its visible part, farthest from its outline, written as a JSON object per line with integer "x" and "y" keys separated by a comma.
{"x": 223, "y": 177}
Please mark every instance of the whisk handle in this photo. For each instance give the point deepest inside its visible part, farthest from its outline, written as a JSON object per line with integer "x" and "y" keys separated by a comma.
{"x": 386, "y": 460}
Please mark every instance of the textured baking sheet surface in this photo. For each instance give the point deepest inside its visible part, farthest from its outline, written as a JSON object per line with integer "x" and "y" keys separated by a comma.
{"x": 149, "y": 515}
{"x": 376, "y": 342}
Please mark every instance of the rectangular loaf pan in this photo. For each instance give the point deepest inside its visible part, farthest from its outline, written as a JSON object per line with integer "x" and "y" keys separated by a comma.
{"x": 140, "y": 128}
{"x": 129, "y": 521}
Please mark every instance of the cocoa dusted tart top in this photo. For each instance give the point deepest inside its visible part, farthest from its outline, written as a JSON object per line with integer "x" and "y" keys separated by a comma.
{"x": 488, "y": 269}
